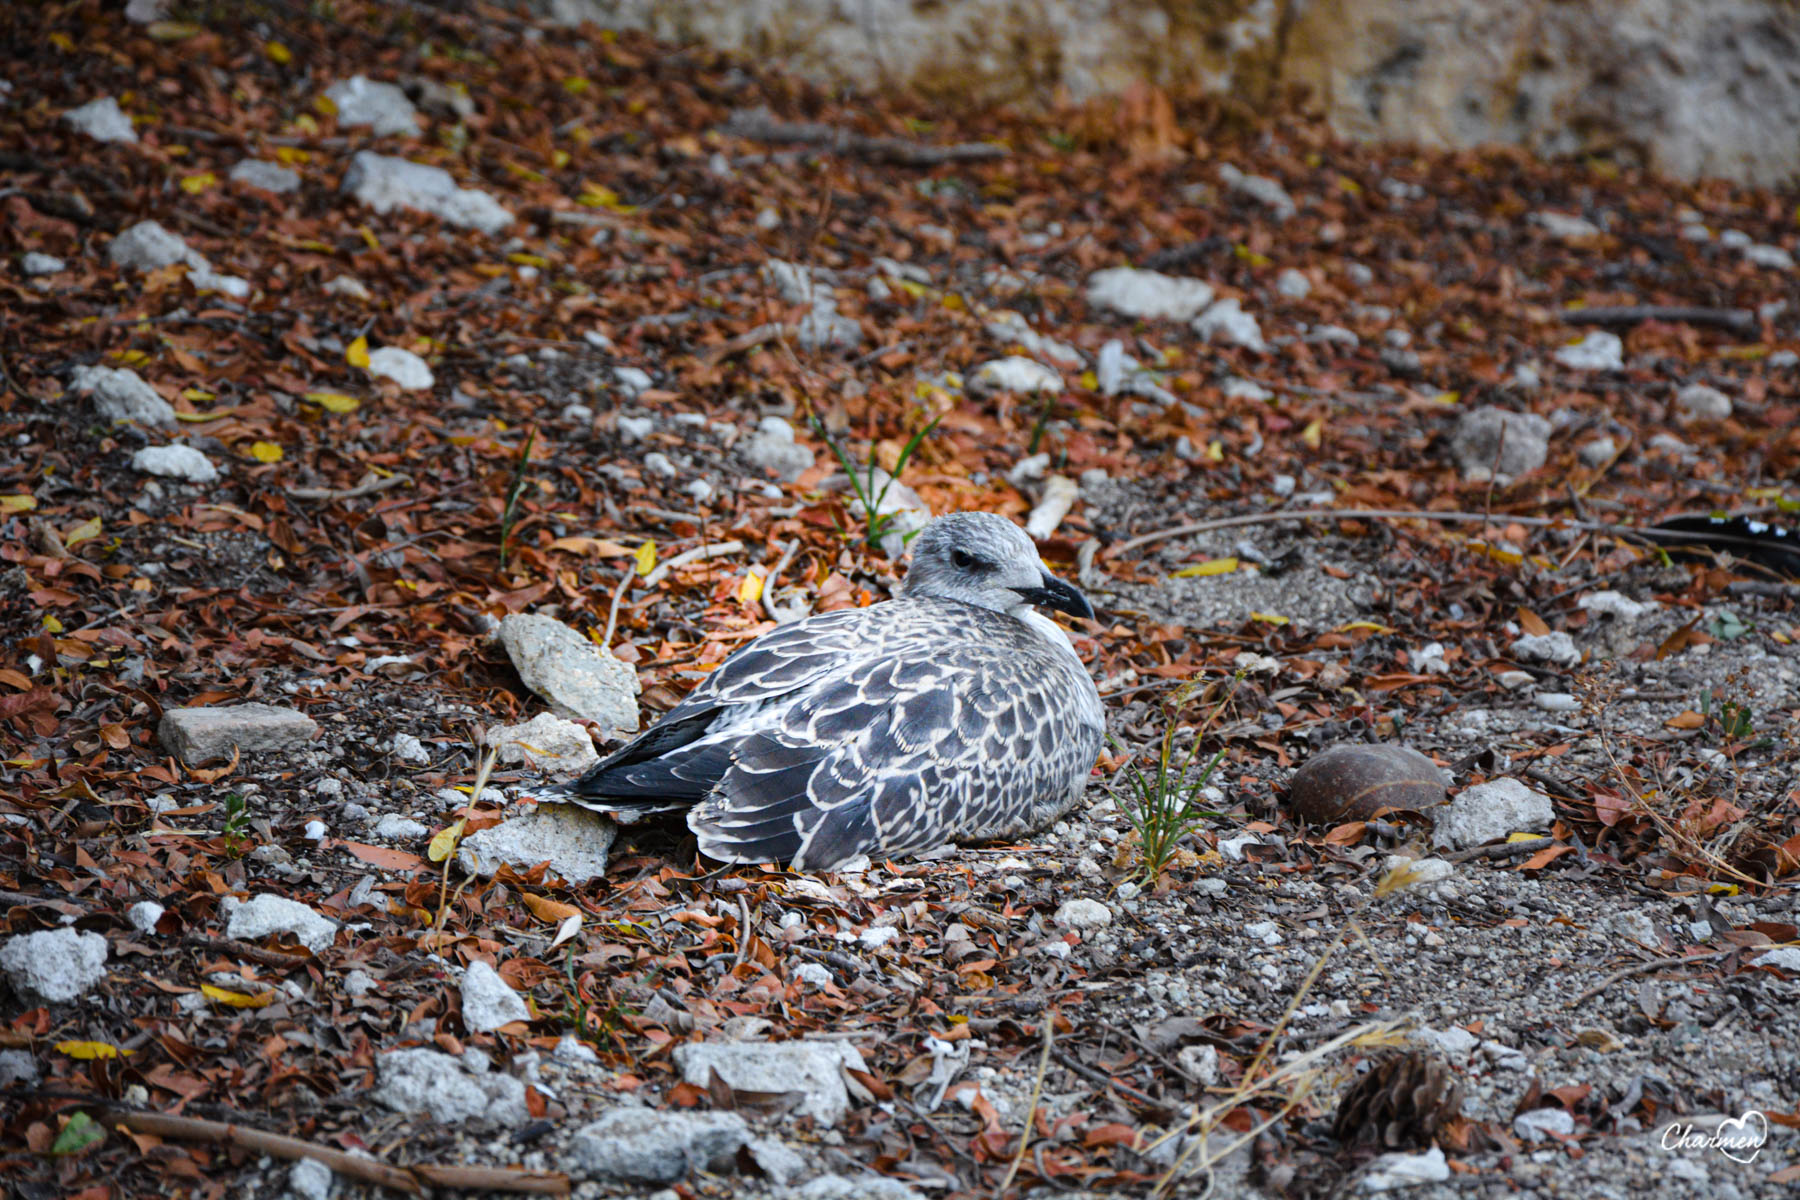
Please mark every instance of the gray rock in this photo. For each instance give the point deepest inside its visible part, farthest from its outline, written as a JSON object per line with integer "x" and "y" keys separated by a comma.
{"x": 1293, "y": 284}
{"x": 1565, "y": 227}
{"x": 1697, "y": 404}
{"x": 270, "y": 177}
{"x": 657, "y": 463}
{"x": 571, "y": 1049}
{"x": 1557, "y": 702}
{"x": 1393, "y": 1171}
{"x": 144, "y": 915}
{"x": 402, "y": 366}
{"x": 1598, "y": 452}
{"x": 17, "y": 1066}
{"x": 547, "y": 742}
{"x": 409, "y": 749}
{"x": 1227, "y": 322}
{"x": 395, "y": 828}
{"x": 1598, "y": 351}
{"x": 54, "y": 966}
{"x": 1488, "y": 812}
{"x": 1150, "y": 295}
{"x": 814, "y": 1069}
{"x": 863, "y": 1187}
{"x": 1084, "y": 915}
{"x": 1013, "y": 374}
{"x": 1538, "y": 1124}
{"x": 1773, "y": 258}
{"x": 1556, "y": 648}
{"x": 34, "y": 263}
{"x": 776, "y": 1159}
{"x": 577, "y": 677}
{"x": 120, "y": 394}
{"x": 199, "y": 734}
{"x": 102, "y": 120}
{"x": 572, "y": 839}
{"x": 643, "y": 1145}
{"x": 268, "y": 914}
{"x": 1785, "y": 958}
{"x": 1260, "y": 188}
{"x": 823, "y": 327}
{"x": 488, "y": 1001}
{"x": 175, "y": 462}
{"x": 147, "y": 246}
{"x": 1496, "y": 441}
{"x": 772, "y": 448}
{"x": 428, "y": 1081}
{"x": 310, "y": 1179}
{"x": 385, "y": 183}
{"x": 382, "y": 107}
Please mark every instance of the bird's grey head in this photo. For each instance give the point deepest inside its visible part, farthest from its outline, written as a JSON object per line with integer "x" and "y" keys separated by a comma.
{"x": 984, "y": 559}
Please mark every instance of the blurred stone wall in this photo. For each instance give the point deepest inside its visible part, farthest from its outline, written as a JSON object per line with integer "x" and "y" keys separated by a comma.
{"x": 1689, "y": 87}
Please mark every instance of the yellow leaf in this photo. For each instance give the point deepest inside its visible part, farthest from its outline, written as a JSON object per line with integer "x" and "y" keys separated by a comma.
{"x": 51, "y": 624}
{"x": 1090, "y": 381}
{"x": 1269, "y": 618}
{"x": 1212, "y": 566}
{"x": 521, "y": 171}
{"x": 197, "y": 395}
{"x": 131, "y": 358}
{"x": 1722, "y": 889}
{"x": 1522, "y": 837}
{"x": 750, "y": 591}
{"x": 1371, "y": 626}
{"x": 194, "y": 418}
{"x": 443, "y": 843}
{"x": 86, "y": 531}
{"x": 17, "y": 504}
{"x": 292, "y": 156}
{"x": 1446, "y": 398}
{"x": 237, "y": 999}
{"x": 358, "y": 353}
{"x": 575, "y": 85}
{"x": 528, "y": 260}
{"x": 335, "y": 402}
{"x": 265, "y": 452}
{"x": 1313, "y": 434}
{"x": 91, "y": 1050}
{"x": 63, "y": 42}
{"x": 278, "y": 53}
{"x": 325, "y": 106}
{"x": 171, "y": 31}
{"x": 1215, "y": 451}
{"x": 646, "y": 558}
{"x": 559, "y": 158}
{"x": 193, "y": 185}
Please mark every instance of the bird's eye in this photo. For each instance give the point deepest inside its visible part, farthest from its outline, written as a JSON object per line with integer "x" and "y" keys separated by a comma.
{"x": 962, "y": 559}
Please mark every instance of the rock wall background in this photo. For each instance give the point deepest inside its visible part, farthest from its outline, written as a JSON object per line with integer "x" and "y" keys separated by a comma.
{"x": 1688, "y": 87}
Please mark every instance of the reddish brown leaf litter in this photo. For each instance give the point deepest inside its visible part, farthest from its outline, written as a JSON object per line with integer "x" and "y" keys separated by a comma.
{"x": 603, "y": 368}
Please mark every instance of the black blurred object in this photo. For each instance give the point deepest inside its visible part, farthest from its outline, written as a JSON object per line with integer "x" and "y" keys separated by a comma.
{"x": 1776, "y": 547}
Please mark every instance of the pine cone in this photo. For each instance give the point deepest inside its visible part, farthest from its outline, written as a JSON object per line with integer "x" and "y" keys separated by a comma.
{"x": 1399, "y": 1105}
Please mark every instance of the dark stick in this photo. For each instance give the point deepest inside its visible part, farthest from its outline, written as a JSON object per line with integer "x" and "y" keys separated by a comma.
{"x": 1735, "y": 320}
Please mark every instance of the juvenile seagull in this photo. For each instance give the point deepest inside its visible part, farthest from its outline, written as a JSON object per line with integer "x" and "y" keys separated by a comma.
{"x": 955, "y": 712}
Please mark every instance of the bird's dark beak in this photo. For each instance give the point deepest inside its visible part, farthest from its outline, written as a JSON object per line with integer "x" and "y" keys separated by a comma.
{"x": 1058, "y": 595}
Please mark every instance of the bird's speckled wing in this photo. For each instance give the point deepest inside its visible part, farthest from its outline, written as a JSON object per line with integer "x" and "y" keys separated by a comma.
{"x": 970, "y": 726}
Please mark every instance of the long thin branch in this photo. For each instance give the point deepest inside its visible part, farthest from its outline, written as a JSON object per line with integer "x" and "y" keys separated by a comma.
{"x": 759, "y": 125}
{"x": 1736, "y": 320}
{"x": 1642, "y": 533}
{"x": 414, "y": 1179}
